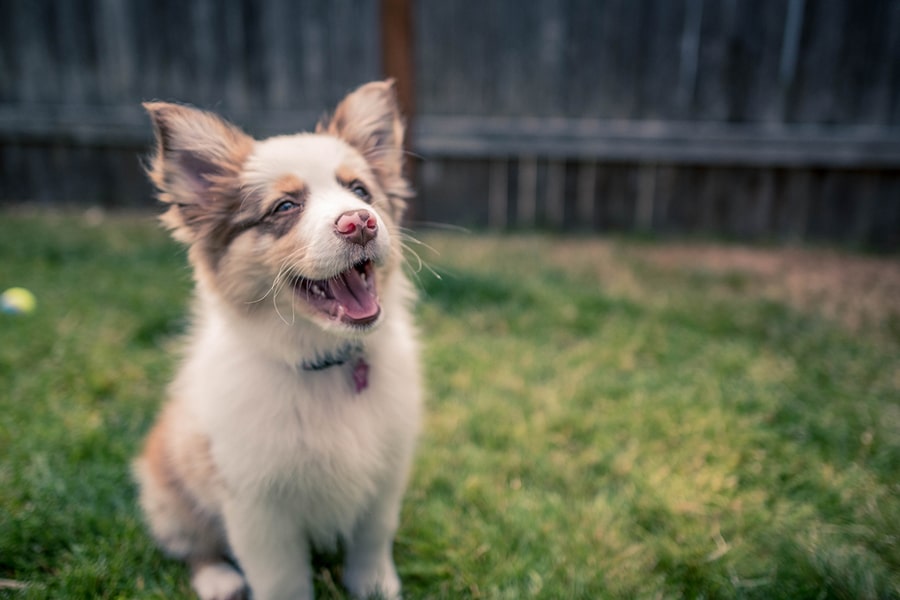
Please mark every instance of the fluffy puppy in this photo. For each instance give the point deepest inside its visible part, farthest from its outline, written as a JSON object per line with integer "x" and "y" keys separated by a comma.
{"x": 291, "y": 422}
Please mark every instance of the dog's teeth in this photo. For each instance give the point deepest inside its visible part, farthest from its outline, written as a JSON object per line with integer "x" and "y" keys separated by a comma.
{"x": 317, "y": 290}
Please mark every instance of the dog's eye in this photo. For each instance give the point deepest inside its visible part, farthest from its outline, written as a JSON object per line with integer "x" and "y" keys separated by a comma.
{"x": 285, "y": 206}
{"x": 360, "y": 190}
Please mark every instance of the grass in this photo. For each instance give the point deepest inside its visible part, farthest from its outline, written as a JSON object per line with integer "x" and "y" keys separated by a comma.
{"x": 601, "y": 424}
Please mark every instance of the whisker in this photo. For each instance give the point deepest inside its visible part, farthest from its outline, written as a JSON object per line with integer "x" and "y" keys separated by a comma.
{"x": 407, "y": 251}
{"x": 282, "y": 278}
{"x": 280, "y": 281}
{"x": 405, "y": 240}
{"x": 390, "y": 150}
{"x": 276, "y": 281}
{"x": 442, "y": 226}
{"x": 408, "y": 237}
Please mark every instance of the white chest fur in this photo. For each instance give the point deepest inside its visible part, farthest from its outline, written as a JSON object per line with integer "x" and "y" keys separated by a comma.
{"x": 306, "y": 439}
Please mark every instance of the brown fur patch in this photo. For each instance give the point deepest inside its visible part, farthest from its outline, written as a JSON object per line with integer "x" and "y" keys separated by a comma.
{"x": 156, "y": 457}
{"x": 180, "y": 485}
{"x": 174, "y": 457}
{"x": 289, "y": 185}
{"x": 196, "y": 462}
{"x": 346, "y": 174}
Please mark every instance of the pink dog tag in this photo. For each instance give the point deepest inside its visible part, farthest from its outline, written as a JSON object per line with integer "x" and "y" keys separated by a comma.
{"x": 361, "y": 374}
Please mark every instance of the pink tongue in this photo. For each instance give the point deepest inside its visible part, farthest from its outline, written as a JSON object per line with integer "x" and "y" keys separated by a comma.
{"x": 354, "y": 295}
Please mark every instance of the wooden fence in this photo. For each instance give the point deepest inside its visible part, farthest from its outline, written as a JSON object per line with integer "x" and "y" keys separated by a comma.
{"x": 749, "y": 118}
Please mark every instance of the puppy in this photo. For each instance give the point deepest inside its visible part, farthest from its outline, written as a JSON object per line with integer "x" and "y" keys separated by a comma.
{"x": 291, "y": 422}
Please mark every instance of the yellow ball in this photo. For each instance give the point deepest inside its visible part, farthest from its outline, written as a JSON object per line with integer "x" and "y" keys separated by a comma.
{"x": 17, "y": 301}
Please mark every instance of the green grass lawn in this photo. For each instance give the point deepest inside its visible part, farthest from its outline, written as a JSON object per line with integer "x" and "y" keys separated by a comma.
{"x": 602, "y": 422}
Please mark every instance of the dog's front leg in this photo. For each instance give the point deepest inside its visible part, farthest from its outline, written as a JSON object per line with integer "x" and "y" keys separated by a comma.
{"x": 369, "y": 564}
{"x": 271, "y": 551}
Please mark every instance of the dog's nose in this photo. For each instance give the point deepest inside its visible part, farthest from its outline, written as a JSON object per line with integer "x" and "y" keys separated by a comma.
{"x": 357, "y": 226}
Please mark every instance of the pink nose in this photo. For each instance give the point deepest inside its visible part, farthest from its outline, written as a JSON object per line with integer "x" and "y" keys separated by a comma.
{"x": 357, "y": 226}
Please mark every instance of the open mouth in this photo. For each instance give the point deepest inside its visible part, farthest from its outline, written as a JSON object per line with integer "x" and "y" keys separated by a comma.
{"x": 350, "y": 296}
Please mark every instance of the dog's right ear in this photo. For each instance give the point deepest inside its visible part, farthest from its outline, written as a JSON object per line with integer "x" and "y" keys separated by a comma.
{"x": 196, "y": 167}
{"x": 369, "y": 119}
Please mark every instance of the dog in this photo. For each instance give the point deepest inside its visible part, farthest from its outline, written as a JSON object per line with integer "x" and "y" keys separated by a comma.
{"x": 291, "y": 423}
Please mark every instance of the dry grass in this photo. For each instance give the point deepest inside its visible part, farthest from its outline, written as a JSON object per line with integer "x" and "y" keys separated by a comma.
{"x": 860, "y": 292}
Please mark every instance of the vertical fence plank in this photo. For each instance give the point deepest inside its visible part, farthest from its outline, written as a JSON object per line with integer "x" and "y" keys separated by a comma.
{"x": 276, "y": 52}
{"x": 865, "y": 59}
{"x": 664, "y": 196}
{"x": 790, "y": 49}
{"x": 8, "y": 51}
{"x": 311, "y": 85}
{"x": 762, "y": 215}
{"x": 657, "y": 62}
{"x": 689, "y": 56}
{"x": 74, "y": 53}
{"x": 498, "y": 194}
{"x": 33, "y": 41}
{"x": 621, "y": 60}
{"x": 886, "y": 234}
{"x": 554, "y": 206}
{"x": 814, "y": 98}
{"x": 114, "y": 52}
{"x": 586, "y": 190}
{"x": 643, "y": 216}
{"x": 527, "y": 197}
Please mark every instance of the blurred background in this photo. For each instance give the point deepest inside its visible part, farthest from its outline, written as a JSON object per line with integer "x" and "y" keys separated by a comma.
{"x": 751, "y": 119}
{"x": 607, "y": 417}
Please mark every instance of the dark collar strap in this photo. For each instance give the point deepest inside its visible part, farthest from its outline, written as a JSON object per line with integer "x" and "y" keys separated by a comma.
{"x": 339, "y": 357}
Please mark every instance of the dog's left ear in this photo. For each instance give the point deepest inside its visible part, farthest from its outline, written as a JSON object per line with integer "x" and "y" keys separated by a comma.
{"x": 369, "y": 120}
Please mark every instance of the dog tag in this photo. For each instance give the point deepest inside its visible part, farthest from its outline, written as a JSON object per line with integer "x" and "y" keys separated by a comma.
{"x": 361, "y": 375}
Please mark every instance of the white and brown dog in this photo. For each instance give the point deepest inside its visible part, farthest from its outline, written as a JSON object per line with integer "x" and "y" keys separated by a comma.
{"x": 291, "y": 423}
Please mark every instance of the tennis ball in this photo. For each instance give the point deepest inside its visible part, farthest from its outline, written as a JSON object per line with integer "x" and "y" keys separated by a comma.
{"x": 17, "y": 301}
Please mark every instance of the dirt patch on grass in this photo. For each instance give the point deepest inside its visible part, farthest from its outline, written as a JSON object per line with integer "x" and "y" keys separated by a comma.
{"x": 858, "y": 291}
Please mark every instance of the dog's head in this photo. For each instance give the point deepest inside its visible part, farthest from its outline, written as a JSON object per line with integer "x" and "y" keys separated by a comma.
{"x": 301, "y": 225}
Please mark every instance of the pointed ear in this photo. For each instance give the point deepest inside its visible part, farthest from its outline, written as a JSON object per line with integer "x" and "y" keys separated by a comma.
{"x": 196, "y": 167}
{"x": 369, "y": 120}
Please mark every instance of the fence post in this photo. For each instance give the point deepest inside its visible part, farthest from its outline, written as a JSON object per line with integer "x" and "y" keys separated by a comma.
{"x": 398, "y": 61}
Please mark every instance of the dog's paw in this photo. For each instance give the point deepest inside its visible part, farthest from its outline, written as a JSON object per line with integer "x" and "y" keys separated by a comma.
{"x": 218, "y": 581}
{"x": 381, "y": 583}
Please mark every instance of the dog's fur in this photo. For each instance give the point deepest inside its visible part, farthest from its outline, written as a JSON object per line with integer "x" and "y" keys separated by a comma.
{"x": 291, "y": 423}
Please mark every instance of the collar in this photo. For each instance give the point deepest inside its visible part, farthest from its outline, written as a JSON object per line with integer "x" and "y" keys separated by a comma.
{"x": 349, "y": 352}
{"x": 333, "y": 358}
